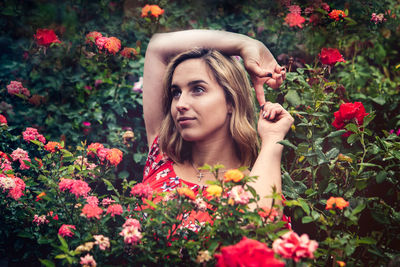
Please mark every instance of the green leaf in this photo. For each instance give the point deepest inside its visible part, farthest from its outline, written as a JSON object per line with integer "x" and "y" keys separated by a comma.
{"x": 123, "y": 175}
{"x": 352, "y": 127}
{"x": 287, "y": 143}
{"x": 360, "y": 207}
{"x": 352, "y": 138}
{"x": 304, "y": 205}
{"x": 366, "y": 240}
{"x": 109, "y": 185}
{"x": 336, "y": 133}
{"x": 293, "y": 98}
{"x": 307, "y": 219}
{"x": 47, "y": 263}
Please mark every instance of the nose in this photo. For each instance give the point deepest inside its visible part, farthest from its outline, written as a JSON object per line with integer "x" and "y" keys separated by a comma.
{"x": 182, "y": 103}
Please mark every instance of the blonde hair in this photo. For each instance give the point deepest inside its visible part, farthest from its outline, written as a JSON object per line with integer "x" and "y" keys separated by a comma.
{"x": 232, "y": 77}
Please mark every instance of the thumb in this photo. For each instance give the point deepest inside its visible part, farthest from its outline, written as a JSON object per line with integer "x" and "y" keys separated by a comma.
{"x": 256, "y": 70}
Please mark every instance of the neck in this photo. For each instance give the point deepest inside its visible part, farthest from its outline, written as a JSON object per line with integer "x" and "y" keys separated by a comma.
{"x": 216, "y": 151}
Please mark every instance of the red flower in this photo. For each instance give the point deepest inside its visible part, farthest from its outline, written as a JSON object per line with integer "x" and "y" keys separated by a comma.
{"x": 91, "y": 211}
{"x": 46, "y": 37}
{"x": 142, "y": 190}
{"x": 291, "y": 246}
{"x": 330, "y": 56}
{"x": 247, "y": 252}
{"x": 152, "y": 10}
{"x": 337, "y": 14}
{"x": 294, "y": 19}
{"x": 65, "y": 230}
{"x": 115, "y": 209}
{"x": 349, "y": 112}
{"x": 3, "y": 120}
{"x": 53, "y": 146}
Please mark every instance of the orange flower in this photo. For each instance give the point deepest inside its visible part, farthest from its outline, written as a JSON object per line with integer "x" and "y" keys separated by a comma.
{"x": 233, "y": 175}
{"x": 113, "y": 45}
{"x": 187, "y": 192}
{"x": 114, "y": 156}
{"x": 53, "y": 146}
{"x": 339, "y": 203}
{"x": 129, "y": 52}
{"x": 271, "y": 213}
{"x": 40, "y": 162}
{"x": 341, "y": 263}
{"x": 39, "y": 197}
{"x": 337, "y": 14}
{"x": 153, "y": 10}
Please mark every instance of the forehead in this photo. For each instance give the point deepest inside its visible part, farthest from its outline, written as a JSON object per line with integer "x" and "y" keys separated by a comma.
{"x": 190, "y": 70}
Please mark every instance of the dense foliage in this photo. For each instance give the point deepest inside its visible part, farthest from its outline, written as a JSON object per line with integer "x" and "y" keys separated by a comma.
{"x": 72, "y": 129}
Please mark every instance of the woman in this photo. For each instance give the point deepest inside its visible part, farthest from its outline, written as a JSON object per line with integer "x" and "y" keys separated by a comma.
{"x": 202, "y": 111}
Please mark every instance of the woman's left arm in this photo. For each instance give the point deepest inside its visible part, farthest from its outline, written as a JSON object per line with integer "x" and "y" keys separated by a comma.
{"x": 274, "y": 122}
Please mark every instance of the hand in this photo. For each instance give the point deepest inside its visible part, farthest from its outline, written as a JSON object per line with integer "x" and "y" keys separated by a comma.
{"x": 262, "y": 67}
{"x": 274, "y": 122}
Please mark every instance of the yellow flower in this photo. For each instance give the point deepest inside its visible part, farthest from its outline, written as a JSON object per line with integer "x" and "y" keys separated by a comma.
{"x": 233, "y": 175}
{"x": 187, "y": 192}
{"x": 214, "y": 190}
{"x": 203, "y": 256}
{"x": 341, "y": 263}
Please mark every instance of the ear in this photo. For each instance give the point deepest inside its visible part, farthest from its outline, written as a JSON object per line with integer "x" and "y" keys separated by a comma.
{"x": 230, "y": 109}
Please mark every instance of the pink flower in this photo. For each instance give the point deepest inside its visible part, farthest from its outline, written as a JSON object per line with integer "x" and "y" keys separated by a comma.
{"x": 294, "y": 19}
{"x": 239, "y": 195}
{"x": 93, "y": 148}
{"x": 92, "y": 200}
{"x": 15, "y": 88}
{"x": 90, "y": 211}
{"x": 295, "y": 9}
{"x": 131, "y": 235}
{"x": 115, "y": 209}
{"x": 97, "y": 83}
{"x": 5, "y": 164}
{"x": 21, "y": 155}
{"x": 325, "y": 7}
{"x": 65, "y": 184}
{"x": 142, "y": 190}
{"x": 138, "y": 86}
{"x": 6, "y": 182}
{"x": 65, "y": 230}
{"x": 17, "y": 191}
{"x": 100, "y": 42}
{"x": 88, "y": 87}
{"x": 378, "y": 18}
{"x": 107, "y": 201}
{"x": 32, "y": 134}
{"x": 102, "y": 153}
{"x": 102, "y": 241}
{"x": 291, "y": 246}
{"x": 131, "y": 222}
{"x": 40, "y": 219}
{"x": 88, "y": 261}
{"x": 86, "y": 124}
{"x": 76, "y": 187}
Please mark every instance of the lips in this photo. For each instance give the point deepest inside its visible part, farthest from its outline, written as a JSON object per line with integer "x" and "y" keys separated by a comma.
{"x": 182, "y": 119}
{"x": 185, "y": 121}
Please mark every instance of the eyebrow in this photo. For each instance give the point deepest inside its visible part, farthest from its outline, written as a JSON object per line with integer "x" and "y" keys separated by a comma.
{"x": 191, "y": 83}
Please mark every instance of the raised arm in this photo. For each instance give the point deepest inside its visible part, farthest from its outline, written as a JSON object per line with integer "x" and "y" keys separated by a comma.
{"x": 162, "y": 47}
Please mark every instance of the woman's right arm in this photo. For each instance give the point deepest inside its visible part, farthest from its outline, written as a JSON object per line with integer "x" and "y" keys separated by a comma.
{"x": 162, "y": 47}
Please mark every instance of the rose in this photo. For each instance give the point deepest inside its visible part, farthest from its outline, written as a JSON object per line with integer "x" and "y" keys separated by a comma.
{"x": 247, "y": 252}
{"x": 349, "y": 112}
{"x": 46, "y": 37}
{"x": 291, "y": 246}
{"x": 330, "y": 56}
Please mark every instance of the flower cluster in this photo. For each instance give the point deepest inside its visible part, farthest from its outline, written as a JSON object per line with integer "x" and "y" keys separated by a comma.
{"x": 152, "y": 10}
{"x": 294, "y": 18}
{"x": 91, "y": 211}
{"x": 336, "y": 202}
{"x": 186, "y": 192}
{"x": 131, "y": 231}
{"x": 76, "y": 187}
{"x": 53, "y": 146}
{"x": 111, "y": 44}
{"x": 141, "y": 190}
{"x": 291, "y": 246}
{"x": 330, "y": 56}
{"x": 349, "y": 113}
{"x": 22, "y": 156}
{"x": 114, "y": 209}
{"x": 3, "y": 120}
{"x": 237, "y": 195}
{"x": 16, "y": 88}
{"x": 88, "y": 261}
{"x": 129, "y": 52}
{"x": 40, "y": 220}
{"x": 32, "y": 134}
{"x": 337, "y": 14}
{"x": 247, "y": 252}
{"x": 378, "y": 18}
{"x": 102, "y": 241}
{"x": 46, "y": 37}
{"x": 113, "y": 155}
{"x": 5, "y": 164}
{"x": 65, "y": 230}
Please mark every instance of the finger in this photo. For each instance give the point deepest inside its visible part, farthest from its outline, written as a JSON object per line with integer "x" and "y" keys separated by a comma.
{"x": 259, "y": 88}
{"x": 255, "y": 69}
{"x": 278, "y": 68}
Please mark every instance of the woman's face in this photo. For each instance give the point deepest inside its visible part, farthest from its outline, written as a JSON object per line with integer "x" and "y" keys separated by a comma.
{"x": 199, "y": 108}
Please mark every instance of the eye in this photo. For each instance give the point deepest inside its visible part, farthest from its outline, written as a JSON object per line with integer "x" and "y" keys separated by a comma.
{"x": 198, "y": 90}
{"x": 175, "y": 93}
